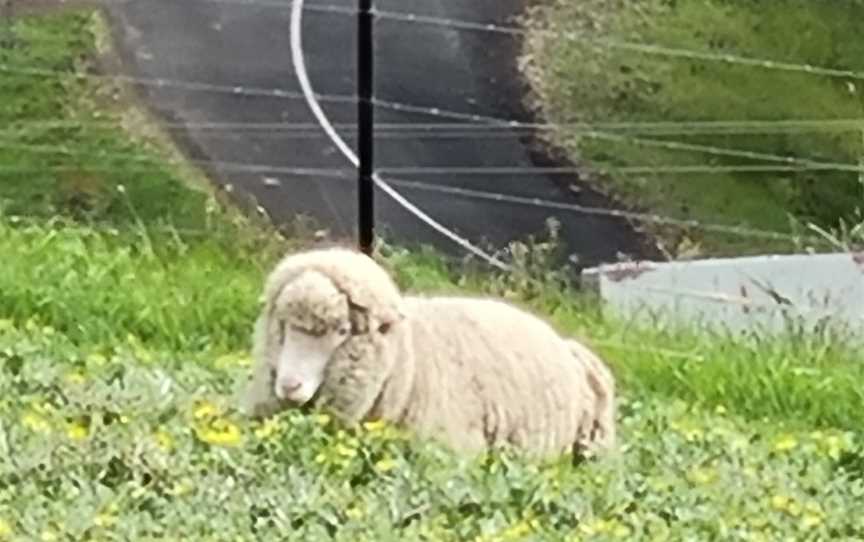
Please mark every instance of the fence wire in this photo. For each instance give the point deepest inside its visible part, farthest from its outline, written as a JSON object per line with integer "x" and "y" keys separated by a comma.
{"x": 471, "y": 126}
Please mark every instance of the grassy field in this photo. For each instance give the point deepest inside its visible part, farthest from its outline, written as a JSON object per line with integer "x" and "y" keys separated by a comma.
{"x": 124, "y": 344}
{"x": 62, "y": 147}
{"x": 601, "y": 76}
{"x": 121, "y": 421}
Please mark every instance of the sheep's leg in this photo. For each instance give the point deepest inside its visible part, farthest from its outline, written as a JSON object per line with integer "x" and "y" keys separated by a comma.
{"x": 602, "y": 434}
{"x": 603, "y": 427}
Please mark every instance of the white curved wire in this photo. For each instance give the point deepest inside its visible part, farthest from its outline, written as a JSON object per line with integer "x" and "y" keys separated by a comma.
{"x": 303, "y": 78}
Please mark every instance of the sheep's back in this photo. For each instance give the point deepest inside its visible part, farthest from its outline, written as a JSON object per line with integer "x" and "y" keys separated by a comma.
{"x": 489, "y": 373}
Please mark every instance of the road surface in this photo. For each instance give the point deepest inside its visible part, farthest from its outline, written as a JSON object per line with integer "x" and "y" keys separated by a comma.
{"x": 228, "y": 44}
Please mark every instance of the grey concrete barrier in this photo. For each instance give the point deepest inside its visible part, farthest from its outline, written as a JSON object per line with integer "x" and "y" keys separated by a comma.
{"x": 802, "y": 292}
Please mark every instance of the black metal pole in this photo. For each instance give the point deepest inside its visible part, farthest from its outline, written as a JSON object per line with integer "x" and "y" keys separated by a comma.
{"x": 365, "y": 140}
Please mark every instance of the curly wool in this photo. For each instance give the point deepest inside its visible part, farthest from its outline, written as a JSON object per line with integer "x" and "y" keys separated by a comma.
{"x": 475, "y": 373}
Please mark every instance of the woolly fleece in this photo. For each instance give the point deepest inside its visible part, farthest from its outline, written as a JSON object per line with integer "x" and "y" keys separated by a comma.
{"x": 474, "y": 373}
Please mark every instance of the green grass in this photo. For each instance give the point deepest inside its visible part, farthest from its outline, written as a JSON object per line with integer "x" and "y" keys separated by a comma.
{"x": 585, "y": 80}
{"x": 140, "y": 437}
{"x": 62, "y": 148}
{"x": 97, "y": 289}
{"x": 124, "y": 345}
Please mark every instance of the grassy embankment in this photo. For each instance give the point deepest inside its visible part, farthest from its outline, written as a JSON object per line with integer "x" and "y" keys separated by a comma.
{"x": 124, "y": 340}
{"x": 600, "y": 75}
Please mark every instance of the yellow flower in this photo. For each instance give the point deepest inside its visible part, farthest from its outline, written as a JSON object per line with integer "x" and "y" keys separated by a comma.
{"x": 346, "y": 451}
{"x": 267, "y": 429}
{"x": 48, "y": 536}
{"x": 6, "y": 324}
{"x": 592, "y": 528}
{"x": 77, "y": 431}
{"x": 701, "y": 476}
{"x": 75, "y": 378}
{"x": 785, "y": 443}
{"x": 691, "y": 434}
{"x": 96, "y": 359}
{"x": 694, "y": 434}
{"x": 182, "y": 487}
{"x": 36, "y": 422}
{"x": 786, "y": 504}
{"x": 519, "y": 530}
{"x": 230, "y": 360}
{"x": 385, "y": 465}
{"x": 205, "y": 409}
{"x": 354, "y": 513}
{"x": 104, "y": 520}
{"x": 780, "y": 502}
{"x": 5, "y": 529}
{"x": 220, "y": 433}
{"x": 598, "y": 526}
{"x": 720, "y": 409}
{"x": 621, "y": 531}
{"x": 164, "y": 440}
{"x": 814, "y": 508}
{"x": 375, "y": 426}
{"x": 834, "y": 445}
{"x": 143, "y": 355}
{"x": 811, "y": 520}
{"x": 322, "y": 419}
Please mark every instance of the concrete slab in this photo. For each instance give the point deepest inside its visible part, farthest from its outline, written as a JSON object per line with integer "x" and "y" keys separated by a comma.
{"x": 760, "y": 293}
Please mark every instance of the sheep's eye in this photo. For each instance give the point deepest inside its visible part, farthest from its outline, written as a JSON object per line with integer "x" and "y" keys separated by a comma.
{"x": 342, "y": 331}
{"x": 282, "y": 326}
{"x": 384, "y": 328}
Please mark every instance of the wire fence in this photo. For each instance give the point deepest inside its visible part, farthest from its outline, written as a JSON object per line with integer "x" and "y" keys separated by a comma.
{"x": 464, "y": 129}
{"x": 347, "y": 173}
{"x": 425, "y": 125}
{"x": 348, "y": 10}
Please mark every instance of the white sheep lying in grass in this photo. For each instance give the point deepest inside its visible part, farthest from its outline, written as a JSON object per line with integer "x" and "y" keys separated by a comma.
{"x": 336, "y": 332}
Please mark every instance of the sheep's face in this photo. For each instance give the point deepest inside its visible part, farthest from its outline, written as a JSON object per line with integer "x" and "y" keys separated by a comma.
{"x": 308, "y": 324}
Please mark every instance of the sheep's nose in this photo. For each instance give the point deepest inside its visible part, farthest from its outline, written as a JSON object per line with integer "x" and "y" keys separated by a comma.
{"x": 288, "y": 386}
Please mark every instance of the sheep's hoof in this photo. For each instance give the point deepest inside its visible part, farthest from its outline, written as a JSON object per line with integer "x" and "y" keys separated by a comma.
{"x": 582, "y": 452}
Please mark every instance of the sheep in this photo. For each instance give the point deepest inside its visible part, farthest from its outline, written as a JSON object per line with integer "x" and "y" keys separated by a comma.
{"x": 336, "y": 333}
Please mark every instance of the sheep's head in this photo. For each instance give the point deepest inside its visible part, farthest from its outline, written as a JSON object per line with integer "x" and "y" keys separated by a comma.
{"x": 309, "y": 321}
{"x": 317, "y": 305}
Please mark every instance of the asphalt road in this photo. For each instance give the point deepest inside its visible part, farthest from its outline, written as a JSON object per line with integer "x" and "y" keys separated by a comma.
{"x": 228, "y": 44}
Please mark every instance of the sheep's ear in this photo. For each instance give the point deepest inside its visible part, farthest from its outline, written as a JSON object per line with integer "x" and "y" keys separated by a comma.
{"x": 385, "y": 325}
